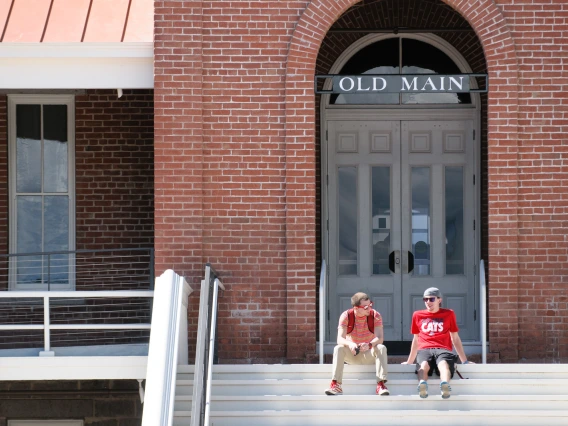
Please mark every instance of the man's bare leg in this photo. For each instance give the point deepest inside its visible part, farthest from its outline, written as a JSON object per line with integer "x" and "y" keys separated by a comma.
{"x": 423, "y": 376}
{"x": 445, "y": 388}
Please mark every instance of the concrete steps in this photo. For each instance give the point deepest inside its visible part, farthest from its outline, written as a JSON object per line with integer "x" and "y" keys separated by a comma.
{"x": 274, "y": 395}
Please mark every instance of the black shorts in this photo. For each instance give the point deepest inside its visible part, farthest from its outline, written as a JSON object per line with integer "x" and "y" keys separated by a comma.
{"x": 435, "y": 356}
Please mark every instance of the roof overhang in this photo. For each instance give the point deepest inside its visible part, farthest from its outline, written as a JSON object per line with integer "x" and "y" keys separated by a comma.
{"x": 77, "y": 65}
{"x": 73, "y": 368}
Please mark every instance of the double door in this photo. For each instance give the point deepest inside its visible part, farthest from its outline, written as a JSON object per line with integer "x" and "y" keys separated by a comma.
{"x": 401, "y": 218}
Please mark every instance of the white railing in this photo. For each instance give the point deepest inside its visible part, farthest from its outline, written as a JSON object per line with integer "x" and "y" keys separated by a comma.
{"x": 322, "y": 297}
{"x": 46, "y": 296}
{"x": 205, "y": 350}
{"x": 168, "y": 348}
{"x": 483, "y": 305}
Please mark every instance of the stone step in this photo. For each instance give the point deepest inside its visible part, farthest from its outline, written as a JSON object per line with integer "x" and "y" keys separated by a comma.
{"x": 390, "y": 417}
{"x": 396, "y": 371}
{"x": 308, "y": 387}
{"x": 392, "y": 402}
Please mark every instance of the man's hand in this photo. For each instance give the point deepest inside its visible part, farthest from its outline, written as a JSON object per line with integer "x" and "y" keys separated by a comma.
{"x": 353, "y": 348}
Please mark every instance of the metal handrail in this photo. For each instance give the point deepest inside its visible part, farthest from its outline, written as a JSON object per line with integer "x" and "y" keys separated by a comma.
{"x": 109, "y": 263}
{"x": 483, "y": 305}
{"x": 47, "y": 326}
{"x": 216, "y": 285}
{"x": 167, "y": 349}
{"x": 322, "y": 296}
{"x": 205, "y": 350}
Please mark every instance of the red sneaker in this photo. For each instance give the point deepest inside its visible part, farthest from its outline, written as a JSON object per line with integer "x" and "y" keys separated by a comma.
{"x": 334, "y": 389}
{"x": 382, "y": 389}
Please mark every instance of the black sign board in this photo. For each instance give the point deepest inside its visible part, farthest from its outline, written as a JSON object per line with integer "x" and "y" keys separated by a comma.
{"x": 397, "y": 83}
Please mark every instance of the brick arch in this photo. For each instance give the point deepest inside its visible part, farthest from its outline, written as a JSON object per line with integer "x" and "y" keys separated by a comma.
{"x": 490, "y": 26}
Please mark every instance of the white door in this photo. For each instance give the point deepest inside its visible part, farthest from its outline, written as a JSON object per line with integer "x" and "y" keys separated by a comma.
{"x": 401, "y": 218}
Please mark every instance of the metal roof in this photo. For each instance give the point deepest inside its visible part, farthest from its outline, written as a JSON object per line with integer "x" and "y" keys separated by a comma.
{"x": 33, "y": 21}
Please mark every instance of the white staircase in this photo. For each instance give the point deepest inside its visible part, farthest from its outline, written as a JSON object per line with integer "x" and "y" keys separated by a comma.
{"x": 293, "y": 395}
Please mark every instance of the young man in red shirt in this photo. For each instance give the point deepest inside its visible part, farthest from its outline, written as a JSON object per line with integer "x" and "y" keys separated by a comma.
{"x": 435, "y": 331}
{"x": 357, "y": 344}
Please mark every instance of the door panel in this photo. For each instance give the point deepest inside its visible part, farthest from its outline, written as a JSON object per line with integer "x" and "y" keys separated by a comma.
{"x": 364, "y": 217}
{"x": 401, "y": 211}
{"x": 437, "y": 218}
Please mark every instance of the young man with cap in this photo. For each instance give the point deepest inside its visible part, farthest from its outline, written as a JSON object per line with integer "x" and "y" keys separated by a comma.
{"x": 435, "y": 330}
{"x": 359, "y": 341}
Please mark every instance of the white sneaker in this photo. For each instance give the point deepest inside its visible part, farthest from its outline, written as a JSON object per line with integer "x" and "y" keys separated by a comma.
{"x": 423, "y": 389}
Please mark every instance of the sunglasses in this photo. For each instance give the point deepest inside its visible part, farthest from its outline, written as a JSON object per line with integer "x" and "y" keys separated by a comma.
{"x": 369, "y": 306}
{"x": 429, "y": 299}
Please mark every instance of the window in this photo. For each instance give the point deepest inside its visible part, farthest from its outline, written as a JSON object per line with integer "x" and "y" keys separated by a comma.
{"x": 400, "y": 55}
{"x": 41, "y": 173}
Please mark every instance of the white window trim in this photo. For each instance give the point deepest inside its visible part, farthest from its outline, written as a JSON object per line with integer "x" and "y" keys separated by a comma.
{"x": 45, "y": 423}
{"x": 14, "y": 100}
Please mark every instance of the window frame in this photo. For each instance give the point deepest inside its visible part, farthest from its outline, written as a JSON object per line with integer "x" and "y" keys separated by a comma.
{"x": 13, "y": 101}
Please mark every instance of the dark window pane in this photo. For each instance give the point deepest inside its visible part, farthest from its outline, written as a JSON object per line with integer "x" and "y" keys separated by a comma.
{"x": 55, "y": 122}
{"x": 28, "y": 122}
{"x": 28, "y": 148}
{"x": 381, "y": 212}
{"x": 422, "y": 58}
{"x": 347, "y": 196}
{"x": 378, "y": 58}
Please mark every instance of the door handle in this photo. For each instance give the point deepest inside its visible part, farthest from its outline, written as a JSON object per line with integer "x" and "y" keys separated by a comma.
{"x": 410, "y": 262}
{"x": 394, "y": 261}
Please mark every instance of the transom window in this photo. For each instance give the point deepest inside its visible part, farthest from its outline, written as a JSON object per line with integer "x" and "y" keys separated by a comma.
{"x": 41, "y": 191}
{"x": 400, "y": 56}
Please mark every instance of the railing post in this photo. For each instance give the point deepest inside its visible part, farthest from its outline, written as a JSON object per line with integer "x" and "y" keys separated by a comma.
{"x": 183, "y": 349}
{"x": 216, "y": 285}
{"x": 48, "y": 271}
{"x": 46, "y": 330}
{"x": 322, "y": 316}
{"x": 483, "y": 304}
{"x": 152, "y": 279}
{"x": 199, "y": 372}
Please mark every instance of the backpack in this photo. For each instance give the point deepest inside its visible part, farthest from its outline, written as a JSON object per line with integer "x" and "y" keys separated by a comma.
{"x": 351, "y": 321}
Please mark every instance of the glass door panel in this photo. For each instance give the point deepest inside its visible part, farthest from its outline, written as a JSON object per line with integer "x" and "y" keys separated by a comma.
{"x": 381, "y": 214}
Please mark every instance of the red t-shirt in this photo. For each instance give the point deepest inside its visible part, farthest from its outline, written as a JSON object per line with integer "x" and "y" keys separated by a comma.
{"x": 434, "y": 329}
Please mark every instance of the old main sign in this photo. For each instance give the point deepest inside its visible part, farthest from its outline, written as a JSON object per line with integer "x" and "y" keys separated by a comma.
{"x": 388, "y": 83}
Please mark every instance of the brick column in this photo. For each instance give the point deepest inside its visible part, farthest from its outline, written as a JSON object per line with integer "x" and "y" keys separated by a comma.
{"x": 178, "y": 145}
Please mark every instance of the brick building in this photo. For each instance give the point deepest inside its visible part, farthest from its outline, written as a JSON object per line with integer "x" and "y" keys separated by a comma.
{"x": 192, "y": 128}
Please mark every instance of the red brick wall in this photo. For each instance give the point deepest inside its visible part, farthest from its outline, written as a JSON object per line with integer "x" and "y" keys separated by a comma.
{"x": 114, "y": 168}
{"x": 178, "y": 148}
{"x": 235, "y": 180}
{"x": 541, "y": 45}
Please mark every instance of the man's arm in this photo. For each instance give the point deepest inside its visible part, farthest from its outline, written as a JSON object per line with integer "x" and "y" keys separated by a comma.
{"x": 378, "y": 339}
{"x": 456, "y": 341}
{"x": 413, "y": 350}
{"x": 342, "y": 339}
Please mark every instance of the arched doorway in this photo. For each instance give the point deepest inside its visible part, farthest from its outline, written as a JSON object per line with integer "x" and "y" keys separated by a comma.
{"x": 400, "y": 187}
